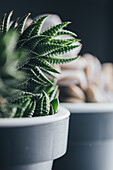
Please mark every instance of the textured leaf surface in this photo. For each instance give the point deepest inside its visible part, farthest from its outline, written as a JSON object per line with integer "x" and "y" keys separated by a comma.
{"x": 62, "y": 51}
{"x": 53, "y": 30}
{"x": 53, "y": 94}
{"x": 7, "y": 22}
{"x": 39, "y": 22}
{"x": 46, "y": 104}
{"x": 60, "y": 60}
{"x": 41, "y": 63}
{"x": 43, "y": 49}
{"x": 21, "y": 24}
{"x": 51, "y": 109}
{"x": 33, "y": 41}
{"x": 2, "y": 23}
{"x": 34, "y": 28}
{"x": 14, "y": 24}
{"x": 63, "y": 41}
{"x": 30, "y": 109}
{"x": 65, "y": 32}
{"x": 21, "y": 109}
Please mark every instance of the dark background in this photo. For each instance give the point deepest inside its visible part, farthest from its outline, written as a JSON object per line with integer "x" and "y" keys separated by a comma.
{"x": 92, "y": 20}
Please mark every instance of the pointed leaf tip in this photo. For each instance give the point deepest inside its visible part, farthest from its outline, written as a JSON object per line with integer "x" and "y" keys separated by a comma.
{"x": 29, "y": 14}
{"x": 69, "y": 22}
{"x": 11, "y": 12}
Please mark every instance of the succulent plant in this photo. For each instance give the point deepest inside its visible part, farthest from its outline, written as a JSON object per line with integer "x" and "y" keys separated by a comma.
{"x": 37, "y": 95}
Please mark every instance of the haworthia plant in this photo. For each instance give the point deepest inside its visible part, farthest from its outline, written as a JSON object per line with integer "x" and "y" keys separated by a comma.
{"x": 37, "y": 94}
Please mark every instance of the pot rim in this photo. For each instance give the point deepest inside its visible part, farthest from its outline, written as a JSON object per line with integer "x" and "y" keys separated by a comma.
{"x": 88, "y": 107}
{"x": 62, "y": 113}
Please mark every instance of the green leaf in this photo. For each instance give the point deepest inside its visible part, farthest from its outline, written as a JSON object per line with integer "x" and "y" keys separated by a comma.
{"x": 46, "y": 104}
{"x": 2, "y": 24}
{"x": 62, "y": 41}
{"x": 20, "y": 100}
{"x": 37, "y": 75}
{"x": 62, "y": 50}
{"x": 33, "y": 41}
{"x": 47, "y": 72}
{"x": 53, "y": 30}
{"x": 41, "y": 75}
{"x": 27, "y": 33}
{"x": 49, "y": 89}
{"x": 21, "y": 24}
{"x": 34, "y": 27}
{"x": 51, "y": 110}
{"x": 7, "y": 22}
{"x": 30, "y": 109}
{"x": 60, "y": 60}
{"x": 29, "y": 84}
{"x": 22, "y": 108}
{"x": 54, "y": 103}
{"x": 39, "y": 22}
{"x": 40, "y": 62}
{"x": 65, "y": 32}
{"x": 53, "y": 94}
{"x": 42, "y": 49}
{"x": 21, "y": 43}
{"x": 46, "y": 65}
{"x": 39, "y": 108}
{"x": 14, "y": 24}
{"x": 43, "y": 105}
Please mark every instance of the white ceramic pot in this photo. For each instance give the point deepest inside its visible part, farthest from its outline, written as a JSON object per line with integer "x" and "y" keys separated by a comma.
{"x": 33, "y": 143}
{"x": 90, "y": 144}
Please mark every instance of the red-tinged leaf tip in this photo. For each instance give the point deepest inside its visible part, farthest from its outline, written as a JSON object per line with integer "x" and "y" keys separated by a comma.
{"x": 79, "y": 40}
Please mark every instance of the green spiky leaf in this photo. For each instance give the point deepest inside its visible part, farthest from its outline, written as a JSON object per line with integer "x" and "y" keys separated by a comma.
{"x": 41, "y": 63}
{"x": 39, "y": 22}
{"x": 44, "y": 49}
{"x": 53, "y": 30}
{"x": 21, "y": 24}
{"x": 53, "y": 94}
{"x": 7, "y": 22}
{"x": 62, "y": 51}
{"x": 2, "y": 23}
{"x": 21, "y": 109}
{"x": 63, "y": 41}
{"x": 43, "y": 106}
{"x": 21, "y": 43}
{"x": 46, "y": 104}
{"x": 60, "y": 60}
{"x": 29, "y": 84}
{"x": 65, "y": 32}
{"x": 14, "y": 24}
{"x": 30, "y": 109}
{"x": 54, "y": 104}
{"x": 34, "y": 28}
{"x": 33, "y": 41}
{"x": 47, "y": 72}
{"x": 51, "y": 109}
